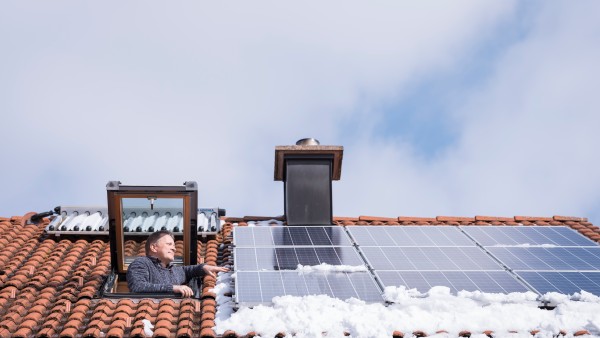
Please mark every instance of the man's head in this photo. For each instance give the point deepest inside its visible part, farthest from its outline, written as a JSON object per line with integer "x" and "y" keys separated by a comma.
{"x": 161, "y": 245}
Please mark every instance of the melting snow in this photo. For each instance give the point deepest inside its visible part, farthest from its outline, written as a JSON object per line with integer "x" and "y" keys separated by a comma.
{"x": 527, "y": 245}
{"x": 324, "y": 267}
{"x": 269, "y": 222}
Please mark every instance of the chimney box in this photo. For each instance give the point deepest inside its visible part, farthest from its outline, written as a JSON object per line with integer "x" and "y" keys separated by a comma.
{"x": 307, "y": 170}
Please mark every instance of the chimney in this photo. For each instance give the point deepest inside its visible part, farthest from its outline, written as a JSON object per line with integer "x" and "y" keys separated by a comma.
{"x": 307, "y": 170}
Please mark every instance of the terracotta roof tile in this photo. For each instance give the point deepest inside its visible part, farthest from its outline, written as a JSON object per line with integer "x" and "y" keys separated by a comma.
{"x": 93, "y": 332}
{"x": 207, "y": 333}
{"x": 493, "y": 218}
{"x": 185, "y": 330}
{"x": 23, "y": 332}
{"x": 532, "y": 218}
{"x": 115, "y": 332}
{"x": 47, "y": 331}
{"x": 229, "y": 333}
{"x": 376, "y": 218}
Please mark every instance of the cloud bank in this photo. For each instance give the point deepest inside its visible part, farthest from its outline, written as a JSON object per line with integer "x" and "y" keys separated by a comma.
{"x": 162, "y": 94}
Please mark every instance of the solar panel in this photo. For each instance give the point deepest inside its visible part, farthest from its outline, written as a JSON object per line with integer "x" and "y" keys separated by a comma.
{"x": 527, "y": 235}
{"x": 549, "y": 259}
{"x": 288, "y": 258}
{"x": 487, "y": 259}
{"x": 429, "y": 258}
{"x": 290, "y": 236}
{"x": 536, "y": 258}
{"x": 485, "y": 281}
{"x": 409, "y": 236}
{"x": 259, "y": 287}
{"x": 563, "y": 282}
{"x": 422, "y": 257}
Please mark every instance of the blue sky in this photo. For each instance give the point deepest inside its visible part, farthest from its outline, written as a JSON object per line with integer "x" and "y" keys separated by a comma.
{"x": 466, "y": 108}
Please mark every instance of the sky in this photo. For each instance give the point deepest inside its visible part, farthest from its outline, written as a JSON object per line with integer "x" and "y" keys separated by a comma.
{"x": 461, "y": 108}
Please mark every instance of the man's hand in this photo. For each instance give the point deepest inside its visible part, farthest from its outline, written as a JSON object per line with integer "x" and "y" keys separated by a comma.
{"x": 185, "y": 290}
{"x": 212, "y": 270}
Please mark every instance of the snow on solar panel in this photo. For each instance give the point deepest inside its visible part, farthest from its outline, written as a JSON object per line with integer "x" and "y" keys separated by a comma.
{"x": 547, "y": 258}
{"x": 290, "y": 236}
{"x": 288, "y": 258}
{"x": 429, "y": 258}
{"x": 536, "y": 258}
{"x": 485, "y": 281}
{"x": 563, "y": 282}
{"x": 259, "y": 287}
{"x": 408, "y": 236}
{"x": 522, "y": 236}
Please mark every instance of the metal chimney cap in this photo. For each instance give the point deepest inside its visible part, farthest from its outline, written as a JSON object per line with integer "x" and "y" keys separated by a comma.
{"x": 308, "y": 142}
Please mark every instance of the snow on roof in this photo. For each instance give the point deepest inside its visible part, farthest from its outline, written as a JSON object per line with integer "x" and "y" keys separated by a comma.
{"x": 48, "y": 287}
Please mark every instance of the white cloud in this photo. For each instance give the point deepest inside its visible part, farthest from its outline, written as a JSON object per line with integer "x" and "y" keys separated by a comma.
{"x": 159, "y": 95}
{"x": 527, "y": 136}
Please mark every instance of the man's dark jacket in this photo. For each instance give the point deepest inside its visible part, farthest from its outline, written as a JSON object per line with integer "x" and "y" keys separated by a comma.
{"x": 147, "y": 274}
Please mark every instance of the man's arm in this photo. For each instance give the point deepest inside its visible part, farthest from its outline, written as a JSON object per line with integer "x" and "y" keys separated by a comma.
{"x": 192, "y": 271}
{"x": 202, "y": 270}
{"x": 138, "y": 279}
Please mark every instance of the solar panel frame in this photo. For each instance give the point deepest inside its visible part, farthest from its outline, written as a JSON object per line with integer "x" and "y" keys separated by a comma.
{"x": 263, "y": 236}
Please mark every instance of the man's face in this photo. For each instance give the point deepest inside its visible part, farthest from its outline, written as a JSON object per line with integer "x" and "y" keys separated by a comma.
{"x": 164, "y": 249}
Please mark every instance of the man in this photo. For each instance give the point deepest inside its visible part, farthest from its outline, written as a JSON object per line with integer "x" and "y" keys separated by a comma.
{"x": 156, "y": 273}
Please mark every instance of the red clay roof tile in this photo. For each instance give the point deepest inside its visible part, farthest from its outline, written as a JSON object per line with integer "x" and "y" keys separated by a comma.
{"x": 376, "y": 218}
{"x": 115, "y": 332}
{"x": 532, "y": 218}
{"x": 23, "y": 332}
{"x": 493, "y": 218}
{"x": 455, "y": 219}
{"x": 416, "y": 219}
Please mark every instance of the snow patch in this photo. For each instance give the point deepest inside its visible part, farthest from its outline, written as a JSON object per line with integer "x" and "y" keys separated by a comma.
{"x": 324, "y": 267}
{"x": 268, "y": 222}
{"x": 508, "y": 315}
{"x": 526, "y": 245}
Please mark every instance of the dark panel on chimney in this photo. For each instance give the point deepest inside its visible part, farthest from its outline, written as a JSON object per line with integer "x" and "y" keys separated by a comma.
{"x": 308, "y": 191}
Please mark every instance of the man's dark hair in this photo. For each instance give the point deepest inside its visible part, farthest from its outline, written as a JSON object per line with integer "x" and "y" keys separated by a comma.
{"x": 155, "y": 237}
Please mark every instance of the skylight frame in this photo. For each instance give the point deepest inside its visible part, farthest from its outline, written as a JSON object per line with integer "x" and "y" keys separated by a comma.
{"x": 115, "y": 195}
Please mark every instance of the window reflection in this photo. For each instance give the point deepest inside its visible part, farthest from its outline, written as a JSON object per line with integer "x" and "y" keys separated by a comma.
{"x": 145, "y": 215}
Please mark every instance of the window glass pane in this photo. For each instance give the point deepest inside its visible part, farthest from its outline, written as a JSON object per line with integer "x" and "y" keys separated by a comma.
{"x": 145, "y": 215}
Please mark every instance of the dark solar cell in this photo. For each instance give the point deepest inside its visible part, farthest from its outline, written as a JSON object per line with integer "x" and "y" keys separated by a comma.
{"x": 522, "y": 235}
{"x": 262, "y": 286}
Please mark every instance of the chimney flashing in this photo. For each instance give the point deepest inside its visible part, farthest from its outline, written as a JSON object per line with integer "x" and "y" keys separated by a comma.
{"x": 283, "y": 152}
